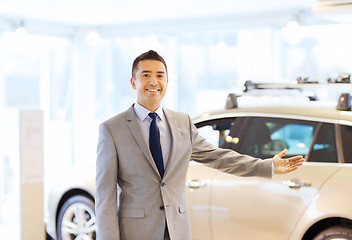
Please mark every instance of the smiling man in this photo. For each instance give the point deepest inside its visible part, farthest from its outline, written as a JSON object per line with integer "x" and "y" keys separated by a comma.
{"x": 146, "y": 151}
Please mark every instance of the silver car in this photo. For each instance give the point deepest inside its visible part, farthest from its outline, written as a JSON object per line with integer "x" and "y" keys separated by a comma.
{"x": 314, "y": 202}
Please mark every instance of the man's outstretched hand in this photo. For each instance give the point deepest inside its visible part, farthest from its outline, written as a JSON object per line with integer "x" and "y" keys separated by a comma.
{"x": 287, "y": 165}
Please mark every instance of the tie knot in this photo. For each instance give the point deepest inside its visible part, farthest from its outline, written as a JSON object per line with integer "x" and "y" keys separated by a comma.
{"x": 153, "y": 115}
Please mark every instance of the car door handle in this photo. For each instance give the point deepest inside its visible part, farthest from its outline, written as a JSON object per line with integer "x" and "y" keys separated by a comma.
{"x": 195, "y": 184}
{"x": 296, "y": 183}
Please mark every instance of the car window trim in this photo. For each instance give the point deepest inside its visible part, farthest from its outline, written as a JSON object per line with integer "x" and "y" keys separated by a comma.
{"x": 314, "y": 139}
{"x": 344, "y": 122}
{"x": 272, "y": 115}
{"x": 338, "y": 143}
{"x": 214, "y": 121}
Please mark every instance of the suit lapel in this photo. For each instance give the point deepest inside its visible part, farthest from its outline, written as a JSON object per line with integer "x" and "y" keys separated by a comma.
{"x": 173, "y": 129}
{"x": 134, "y": 126}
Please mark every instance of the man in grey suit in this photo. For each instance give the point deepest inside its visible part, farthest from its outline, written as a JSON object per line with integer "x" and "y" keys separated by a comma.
{"x": 147, "y": 156}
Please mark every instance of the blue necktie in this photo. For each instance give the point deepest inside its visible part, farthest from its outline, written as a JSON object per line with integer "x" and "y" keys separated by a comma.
{"x": 154, "y": 144}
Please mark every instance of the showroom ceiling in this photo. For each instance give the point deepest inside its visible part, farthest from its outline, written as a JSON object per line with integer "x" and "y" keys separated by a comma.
{"x": 108, "y": 12}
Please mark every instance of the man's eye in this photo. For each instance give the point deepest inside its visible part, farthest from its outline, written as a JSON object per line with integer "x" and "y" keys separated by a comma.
{"x": 160, "y": 76}
{"x": 145, "y": 75}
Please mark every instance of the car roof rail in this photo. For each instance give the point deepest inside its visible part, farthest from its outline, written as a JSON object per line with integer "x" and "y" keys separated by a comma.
{"x": 344, "y": 103}
{"x": 249, "y": 85}
{"x": 341, "y": 78}
{"x": 231, "y": 101}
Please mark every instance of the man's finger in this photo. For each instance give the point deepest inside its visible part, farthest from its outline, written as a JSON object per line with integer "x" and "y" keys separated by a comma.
{"x": 283, "y": 153}
{"x": 296, "y": 164}
{"x": 291, "y": 169}
{"x": 295, "y": 160}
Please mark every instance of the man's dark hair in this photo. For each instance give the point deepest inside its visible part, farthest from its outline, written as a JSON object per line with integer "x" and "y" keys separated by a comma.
{"x": 150, "y": 55}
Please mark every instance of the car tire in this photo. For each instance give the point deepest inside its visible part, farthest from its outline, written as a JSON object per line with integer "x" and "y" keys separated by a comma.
{"x": 48, "y": 237}
{"x": 76, "y": 219}
{"x": 336, "y": 232}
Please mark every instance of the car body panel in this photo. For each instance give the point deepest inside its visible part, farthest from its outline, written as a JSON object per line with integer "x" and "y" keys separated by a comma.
{"x": 334, "y": 201}
{"x": 247, "y": 208}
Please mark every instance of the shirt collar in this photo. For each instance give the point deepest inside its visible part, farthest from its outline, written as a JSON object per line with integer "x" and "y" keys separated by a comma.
{"x": 142, "y": 112}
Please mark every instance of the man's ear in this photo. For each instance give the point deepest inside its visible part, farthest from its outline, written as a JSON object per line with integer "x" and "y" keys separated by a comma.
{"x": 133, "y": 83}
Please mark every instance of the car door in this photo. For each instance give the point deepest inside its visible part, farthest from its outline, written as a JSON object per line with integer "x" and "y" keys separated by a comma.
{"x": 198, "y": 189}
{"x": 258, "y": 208}
{"x": 199, "y": 182}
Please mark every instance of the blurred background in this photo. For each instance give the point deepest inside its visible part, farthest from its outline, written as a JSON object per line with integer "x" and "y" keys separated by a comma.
{"x": 72, "y": 59}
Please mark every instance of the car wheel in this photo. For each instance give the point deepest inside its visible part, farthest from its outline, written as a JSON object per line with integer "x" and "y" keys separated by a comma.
{"x": 76, "y": 219}
{"x": 48, "y": 237}
{"x": 338, "y": 233}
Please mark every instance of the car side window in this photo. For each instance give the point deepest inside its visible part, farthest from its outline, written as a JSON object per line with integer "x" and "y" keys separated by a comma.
{"x": 232, "y": 137}
{"x": 346, "y": 133}
{"x": 210, "y": 134}
{"x": 215, "y": 131}
{"x": 324, "y": 148}
{"x": 267, "y": 137}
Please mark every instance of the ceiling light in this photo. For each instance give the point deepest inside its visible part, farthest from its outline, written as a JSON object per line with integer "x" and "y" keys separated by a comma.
{"x": 93, "y": 38}
{"x": 292, "y": 30}
{"x": 292, "y": 24}
{"x": 21, "y": 30}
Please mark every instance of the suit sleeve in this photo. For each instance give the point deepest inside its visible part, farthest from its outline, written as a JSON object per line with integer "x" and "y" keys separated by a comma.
{"x": 106, "y": 187}
{"x": 227, "y": 160}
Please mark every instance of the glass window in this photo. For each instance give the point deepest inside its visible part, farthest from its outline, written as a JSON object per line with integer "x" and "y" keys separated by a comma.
{"x": 346, "y": 132}
{"x": 266, "y": 137}
{"x": 215, "y": 131}
{"x": 232, "y": 138}
{"x": 316, "y": 51}
{"x": 210, "y": 134}
{"x": 202, "y": 66}
{"x": 324, "y": 149}
{"x": 35, "y": 73}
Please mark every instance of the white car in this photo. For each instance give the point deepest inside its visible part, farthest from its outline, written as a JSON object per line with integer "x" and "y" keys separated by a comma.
{"x": 314, "y": 202}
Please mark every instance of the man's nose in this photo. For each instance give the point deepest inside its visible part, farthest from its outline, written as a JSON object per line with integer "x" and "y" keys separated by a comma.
{"x": 153, "y": 81}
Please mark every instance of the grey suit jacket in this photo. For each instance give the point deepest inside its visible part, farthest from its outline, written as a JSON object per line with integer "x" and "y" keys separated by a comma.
{"x": 146, "y": 201}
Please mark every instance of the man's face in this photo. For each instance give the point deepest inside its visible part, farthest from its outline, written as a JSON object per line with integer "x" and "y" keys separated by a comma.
{"x": 150, "y": 81}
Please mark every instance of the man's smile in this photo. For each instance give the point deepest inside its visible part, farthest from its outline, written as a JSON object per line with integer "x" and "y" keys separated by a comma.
{"x": 153, "y": 90}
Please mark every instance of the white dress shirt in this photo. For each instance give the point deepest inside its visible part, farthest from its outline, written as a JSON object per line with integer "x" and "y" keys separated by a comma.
{"x": 164, "y": 129}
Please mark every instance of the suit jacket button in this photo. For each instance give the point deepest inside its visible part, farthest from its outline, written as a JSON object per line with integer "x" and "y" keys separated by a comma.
{"x": 162, "y": 184}
{"x": 162, "y": 207}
